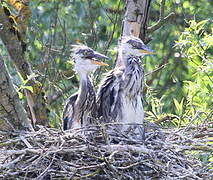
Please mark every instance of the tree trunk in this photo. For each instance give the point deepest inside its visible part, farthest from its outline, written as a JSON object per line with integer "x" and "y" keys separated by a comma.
{"x": 12, "y": 114}
{"x": 10, "y": 37}
{"x": 135, "y": 20}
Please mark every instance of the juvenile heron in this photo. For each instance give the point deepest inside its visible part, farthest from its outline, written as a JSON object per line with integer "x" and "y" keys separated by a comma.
{"x": 120, "y": 93}
{"x": 79, "y": 106}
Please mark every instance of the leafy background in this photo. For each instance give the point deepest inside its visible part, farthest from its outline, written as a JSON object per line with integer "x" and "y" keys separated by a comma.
{"x": 178, "y": 94}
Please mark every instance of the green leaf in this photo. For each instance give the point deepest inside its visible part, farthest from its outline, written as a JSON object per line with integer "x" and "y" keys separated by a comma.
{"x": 38, "y": 45}
{"x": 179, "y": 106}
{"x": 21, "y": 77}
{"x": 31, "y": 76}
{"x": 30, "y": 88}
{"x": 153, "y": 107}
{"x": 20, "y": 95}
{"x": 208, "y": 40}
{"x": 209, "y": 88}
{"x": 200, "y": 25}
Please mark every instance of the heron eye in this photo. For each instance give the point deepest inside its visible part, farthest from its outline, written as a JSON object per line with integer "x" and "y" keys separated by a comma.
{"x": 136, "y": 44}
{"x": 86, "y": 52}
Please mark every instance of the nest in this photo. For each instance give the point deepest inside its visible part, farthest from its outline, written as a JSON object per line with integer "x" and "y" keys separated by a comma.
{"x": 106, "y": 152}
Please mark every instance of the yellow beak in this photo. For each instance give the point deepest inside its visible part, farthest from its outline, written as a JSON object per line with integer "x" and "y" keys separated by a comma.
{"x": 100, "y": 63}
{"x": 146, "y": 52}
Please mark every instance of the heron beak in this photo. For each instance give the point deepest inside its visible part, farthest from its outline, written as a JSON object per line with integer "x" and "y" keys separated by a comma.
{"x": 100, "y": 63}
{"x": 96, "y": 60}
{"x": 146, "y": 50}
{"x": 99, "y": 56}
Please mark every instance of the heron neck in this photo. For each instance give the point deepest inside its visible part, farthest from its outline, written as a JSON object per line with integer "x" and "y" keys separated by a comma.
{"x": 122, "y": 59}
{"x": 85, "y": 82}
{"x": 85, "y": 91}
{"x": 83, "y": 77}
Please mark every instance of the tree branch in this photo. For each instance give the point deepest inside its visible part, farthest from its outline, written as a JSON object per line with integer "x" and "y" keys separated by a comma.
{"x": 160, "y": 23}
{"x": 161, "y": 66}
{"x": 162, "y": 20}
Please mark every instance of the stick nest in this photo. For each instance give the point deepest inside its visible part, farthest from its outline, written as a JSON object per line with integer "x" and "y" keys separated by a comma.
{"x": 106, "y": 152}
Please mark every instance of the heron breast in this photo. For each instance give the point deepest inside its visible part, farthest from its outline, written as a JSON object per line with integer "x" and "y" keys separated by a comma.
{"x": 132, "y": 110}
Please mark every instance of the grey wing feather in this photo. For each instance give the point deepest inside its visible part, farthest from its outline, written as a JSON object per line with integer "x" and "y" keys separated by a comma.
{"x": 108, "y": 100}
{"x": 68, "y": 111}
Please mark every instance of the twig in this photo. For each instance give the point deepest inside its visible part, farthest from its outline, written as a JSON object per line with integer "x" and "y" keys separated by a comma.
{"x": 157, "y": 69}
{"x": 45, "y": 171}
{"x": 162, "y": 20}
{"x": 160, "y": 23}
{"x": 26, "y": 142}
{"x": 12, "y": 163}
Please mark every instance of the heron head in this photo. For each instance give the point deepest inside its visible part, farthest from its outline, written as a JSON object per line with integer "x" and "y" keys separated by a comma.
{"x": 86, "y": 59}
{"x": 134, "y": 46}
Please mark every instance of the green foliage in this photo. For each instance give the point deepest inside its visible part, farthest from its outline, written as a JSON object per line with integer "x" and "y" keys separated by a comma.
{"x": 195, "y": 106}
{"x": 197, "y": 49}
{"x": 23, "y": 84}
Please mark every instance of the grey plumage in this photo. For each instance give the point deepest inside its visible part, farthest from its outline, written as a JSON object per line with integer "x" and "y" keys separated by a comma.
{"x": 118, "y": 83}
{"x": 79, "y": 107}
{"x": 68, "y": 111}
{"x": 119, "y": 96}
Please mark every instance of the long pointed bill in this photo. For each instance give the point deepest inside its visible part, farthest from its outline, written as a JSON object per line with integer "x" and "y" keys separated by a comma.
{"x": 99, "y": 56}
{"x": 100, "y": 63}
{"x": 145, "y": 50}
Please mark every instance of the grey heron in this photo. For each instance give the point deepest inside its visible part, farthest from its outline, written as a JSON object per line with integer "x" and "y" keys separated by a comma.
{"x": 79, "y": 106}
{"x": 119, "y": 96}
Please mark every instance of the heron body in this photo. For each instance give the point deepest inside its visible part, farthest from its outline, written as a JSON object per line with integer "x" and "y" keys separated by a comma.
{"x": 84, "y": 100}
{"x": 120, "y": 93}
{"x": 119, "y": 98}
{"x": 79, "y": 107}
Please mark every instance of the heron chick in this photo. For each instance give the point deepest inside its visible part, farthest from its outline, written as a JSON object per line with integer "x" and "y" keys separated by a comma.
{"x": 119, "y": 96}
{"x": 79, "y": 106}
